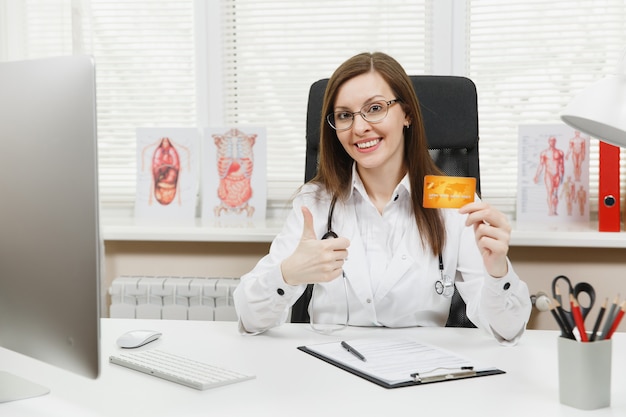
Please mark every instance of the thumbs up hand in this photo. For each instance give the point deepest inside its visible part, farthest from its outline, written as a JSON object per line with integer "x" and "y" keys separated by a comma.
{"x": 314, "y": 260}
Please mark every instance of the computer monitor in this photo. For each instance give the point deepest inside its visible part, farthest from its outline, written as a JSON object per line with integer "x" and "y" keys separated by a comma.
{"x": 49, "y": 235}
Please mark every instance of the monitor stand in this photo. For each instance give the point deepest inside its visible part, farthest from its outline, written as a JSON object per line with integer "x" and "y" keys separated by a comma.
{"x": 13, "y": 388}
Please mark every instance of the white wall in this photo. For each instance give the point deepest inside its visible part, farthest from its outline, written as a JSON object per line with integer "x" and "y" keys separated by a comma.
{"x": 604, "y": 268}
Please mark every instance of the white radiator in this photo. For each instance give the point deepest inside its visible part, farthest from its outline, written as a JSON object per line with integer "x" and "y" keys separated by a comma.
{"x": 173, "y": 298}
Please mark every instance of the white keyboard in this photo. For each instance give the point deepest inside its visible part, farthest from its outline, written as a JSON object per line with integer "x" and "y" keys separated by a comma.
{"x": 178, "y": 369}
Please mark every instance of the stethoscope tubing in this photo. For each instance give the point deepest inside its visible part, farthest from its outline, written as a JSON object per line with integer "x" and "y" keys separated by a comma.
{"x": 444, "y": 286}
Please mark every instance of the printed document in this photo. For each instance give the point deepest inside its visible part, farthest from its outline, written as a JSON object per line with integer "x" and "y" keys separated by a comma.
{"x": 397, "y": 361}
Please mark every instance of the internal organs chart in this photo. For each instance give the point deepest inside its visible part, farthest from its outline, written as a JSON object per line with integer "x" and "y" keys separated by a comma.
{"x": 235, "y": 165}
{"x": 165, "y": 171}
{"x": 167, "y": 174}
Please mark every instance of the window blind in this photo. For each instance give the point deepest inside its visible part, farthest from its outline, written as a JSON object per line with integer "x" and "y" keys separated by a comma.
{"x": 145, "y": 70}
{"x": 35, "y": 29}
{"x": 529, "y": 59}
{"x": 273, "y": 51}
{"x": 146, "y": 77}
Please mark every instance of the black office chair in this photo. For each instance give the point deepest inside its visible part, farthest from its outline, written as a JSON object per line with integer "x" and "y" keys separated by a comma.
{"x": 450, "y": 114}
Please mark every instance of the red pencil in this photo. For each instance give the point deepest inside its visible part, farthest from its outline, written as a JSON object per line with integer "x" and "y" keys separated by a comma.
{"x": 578, "y": 318}
{"x": 618, "y": 317}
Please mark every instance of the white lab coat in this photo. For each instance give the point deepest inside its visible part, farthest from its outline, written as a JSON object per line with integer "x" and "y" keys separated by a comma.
{"x": 404, "y": 295}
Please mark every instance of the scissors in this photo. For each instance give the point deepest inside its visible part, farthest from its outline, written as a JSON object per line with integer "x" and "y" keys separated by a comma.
{"x": 586, "y": 302}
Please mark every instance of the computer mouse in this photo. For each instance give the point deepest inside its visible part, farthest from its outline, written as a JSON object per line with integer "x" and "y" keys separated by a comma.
{"x": 136, "y": 338}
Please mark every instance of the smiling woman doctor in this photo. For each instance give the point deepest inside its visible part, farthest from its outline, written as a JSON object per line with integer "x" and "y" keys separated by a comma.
{"x": 383, "y": 264}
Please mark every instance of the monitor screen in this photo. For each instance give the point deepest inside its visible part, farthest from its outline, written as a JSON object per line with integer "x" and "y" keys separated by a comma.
{"x": 50, "y": 246}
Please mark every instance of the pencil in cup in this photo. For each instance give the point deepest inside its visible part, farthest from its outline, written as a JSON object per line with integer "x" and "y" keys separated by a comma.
{"x": 596, "y": 326}
{"x": 561, "y": 319}
{"x": 578, "y": 318}
{"x": 610, "y": 317}
{"x": 616, "y": 320}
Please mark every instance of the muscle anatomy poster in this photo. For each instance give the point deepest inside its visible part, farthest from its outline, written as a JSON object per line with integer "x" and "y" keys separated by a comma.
{"x": 553, "y": 175}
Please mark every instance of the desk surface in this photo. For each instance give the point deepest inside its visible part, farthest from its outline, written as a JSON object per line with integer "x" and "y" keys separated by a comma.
{"x": 290, "y": 382}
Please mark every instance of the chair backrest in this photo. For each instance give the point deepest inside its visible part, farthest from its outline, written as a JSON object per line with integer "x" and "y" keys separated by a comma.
{"x": 450, "y": 115}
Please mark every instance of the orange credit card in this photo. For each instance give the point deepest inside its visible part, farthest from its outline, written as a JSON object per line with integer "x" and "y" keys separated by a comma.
{"x": 448, "y": 192}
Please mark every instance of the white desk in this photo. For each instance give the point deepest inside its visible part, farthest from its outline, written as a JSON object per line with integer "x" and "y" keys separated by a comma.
{"x": 291, "y": 382}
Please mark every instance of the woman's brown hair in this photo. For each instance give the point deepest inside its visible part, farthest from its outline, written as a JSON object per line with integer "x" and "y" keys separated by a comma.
{"x": 335, "y": 165}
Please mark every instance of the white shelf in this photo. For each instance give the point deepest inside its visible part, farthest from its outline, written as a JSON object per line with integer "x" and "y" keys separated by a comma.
{"x": 125, "y": 229}
{"x": 119, "y": 229}
{"x": 586, "y": 237}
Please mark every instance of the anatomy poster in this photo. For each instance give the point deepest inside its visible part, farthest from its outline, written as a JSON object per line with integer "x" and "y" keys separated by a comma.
{"x": 234, "y": 179}
{"x": 167, "y": 174}
{"x": 553, "y": 175}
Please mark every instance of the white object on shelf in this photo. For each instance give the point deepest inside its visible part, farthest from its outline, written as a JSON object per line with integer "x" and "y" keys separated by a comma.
{"x": 173, "y": 298}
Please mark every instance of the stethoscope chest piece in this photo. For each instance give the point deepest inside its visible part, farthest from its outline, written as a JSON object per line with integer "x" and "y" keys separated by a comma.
{"x": 445, "y": 284}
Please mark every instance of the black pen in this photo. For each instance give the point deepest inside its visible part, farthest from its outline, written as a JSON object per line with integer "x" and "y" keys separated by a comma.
{"x": 352, "y": 350}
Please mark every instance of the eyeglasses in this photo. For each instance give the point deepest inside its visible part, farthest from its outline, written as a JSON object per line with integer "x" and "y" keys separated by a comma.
{"x": 372, "y": 112}
{"x": 324, "y": 322}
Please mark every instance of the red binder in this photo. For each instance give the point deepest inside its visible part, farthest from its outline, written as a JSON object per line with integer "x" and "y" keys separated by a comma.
{"x": 608, "y": 189}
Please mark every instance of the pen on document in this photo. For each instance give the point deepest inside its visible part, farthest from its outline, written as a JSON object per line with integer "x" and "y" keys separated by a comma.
{"x": 352, "y": 350}
{"x": 578, "y": 318}
{"x": 618, "y": 318}
{"x": 609, "y": 319}
{"x": 596, "y": 326}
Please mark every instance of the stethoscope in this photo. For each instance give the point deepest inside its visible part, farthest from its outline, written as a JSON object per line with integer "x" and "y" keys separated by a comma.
{"x": 444, "y": 286}
{"x": 329, "y": 223}
{"x": 330, "y": 235}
